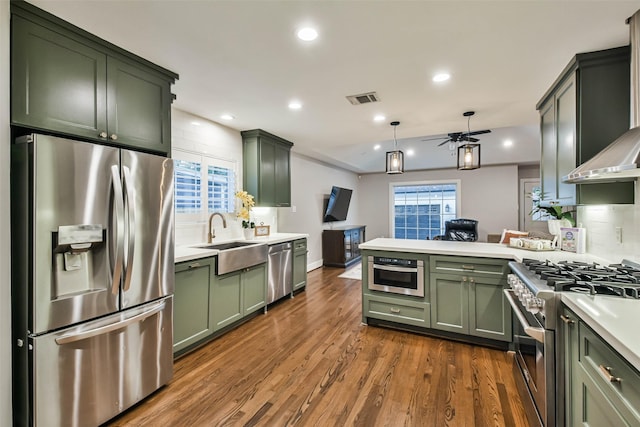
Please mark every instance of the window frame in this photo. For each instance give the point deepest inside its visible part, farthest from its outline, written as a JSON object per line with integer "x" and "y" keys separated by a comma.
{"x": 393, "y": 185}
{"x": 205, "y": 160}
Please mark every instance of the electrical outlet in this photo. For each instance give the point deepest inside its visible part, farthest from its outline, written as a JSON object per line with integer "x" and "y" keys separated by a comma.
{"x": 619, "y": 234}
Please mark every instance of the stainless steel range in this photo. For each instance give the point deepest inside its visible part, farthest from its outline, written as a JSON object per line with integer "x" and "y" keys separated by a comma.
{"x": 534, "y": 297}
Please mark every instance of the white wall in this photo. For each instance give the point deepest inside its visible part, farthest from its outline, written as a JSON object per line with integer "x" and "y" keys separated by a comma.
{"x": 488, "y": 194}
{"x": 5, "y": 250}
{"x": 311, "y": 182}
{"x": 215, "y": 140}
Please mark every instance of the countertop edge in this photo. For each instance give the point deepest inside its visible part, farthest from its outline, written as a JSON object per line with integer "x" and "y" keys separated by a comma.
{"x": 611, "y": 327}
{"x": 185, "y": 253}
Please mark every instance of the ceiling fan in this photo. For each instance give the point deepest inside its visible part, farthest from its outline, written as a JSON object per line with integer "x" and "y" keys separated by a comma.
{"x": 456, "y": 137}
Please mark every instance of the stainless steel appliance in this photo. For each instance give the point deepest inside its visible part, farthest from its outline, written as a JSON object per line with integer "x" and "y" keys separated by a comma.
{"x": 92, "y": 279}
{"x": 396, "y": 275}
{"x": 534, "y": 297}
{"x": 280, "y": 281}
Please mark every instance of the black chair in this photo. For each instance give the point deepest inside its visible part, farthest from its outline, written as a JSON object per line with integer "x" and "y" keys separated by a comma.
{"x": 465, "y": 230}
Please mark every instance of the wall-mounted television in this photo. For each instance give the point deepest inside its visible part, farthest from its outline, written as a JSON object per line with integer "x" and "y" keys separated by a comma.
{"x": 337, "y": 205}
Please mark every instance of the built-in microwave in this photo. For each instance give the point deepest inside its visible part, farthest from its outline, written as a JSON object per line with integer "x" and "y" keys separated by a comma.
{"x": 396, "y": 275}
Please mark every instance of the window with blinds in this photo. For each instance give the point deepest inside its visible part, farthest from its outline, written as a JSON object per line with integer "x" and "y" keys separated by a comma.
{"x": 192, "y": 172}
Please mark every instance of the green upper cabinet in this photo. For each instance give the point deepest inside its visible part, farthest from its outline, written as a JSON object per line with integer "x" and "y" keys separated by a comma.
{"x": 585, "y": 110}
{"x": 267, "y": 168}
{"x": 67, "y": 81}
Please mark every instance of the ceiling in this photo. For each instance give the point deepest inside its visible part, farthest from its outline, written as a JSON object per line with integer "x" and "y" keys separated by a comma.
{"x": 243, "y": 58}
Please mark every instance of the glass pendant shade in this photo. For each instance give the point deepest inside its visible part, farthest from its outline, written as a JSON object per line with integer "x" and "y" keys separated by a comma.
{"x": 469, "y": 156}
{"x": 395, "y": 158}
{"x": 395, "y": 162}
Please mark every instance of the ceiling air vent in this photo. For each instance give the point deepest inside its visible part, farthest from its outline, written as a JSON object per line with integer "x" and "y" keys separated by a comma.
{"x": 363, "y": 98}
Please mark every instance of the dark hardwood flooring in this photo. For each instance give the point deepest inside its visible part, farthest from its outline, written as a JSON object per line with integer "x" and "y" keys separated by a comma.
{"x": 310, "y": 362}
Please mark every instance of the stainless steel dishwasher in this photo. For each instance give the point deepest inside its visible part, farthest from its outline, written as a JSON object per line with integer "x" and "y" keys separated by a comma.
{"x": 280, "y": 271}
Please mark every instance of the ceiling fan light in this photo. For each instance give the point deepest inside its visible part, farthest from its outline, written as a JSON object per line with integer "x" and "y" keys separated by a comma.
{"x": 469, "y": 156}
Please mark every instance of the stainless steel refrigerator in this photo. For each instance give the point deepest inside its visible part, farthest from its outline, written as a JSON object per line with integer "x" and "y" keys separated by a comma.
{"x": 92, "y": 279}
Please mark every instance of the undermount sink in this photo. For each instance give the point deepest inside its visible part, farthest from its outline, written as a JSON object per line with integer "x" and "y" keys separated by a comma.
{"x": 234, "y": 256}
{"x": 227, "y": 245}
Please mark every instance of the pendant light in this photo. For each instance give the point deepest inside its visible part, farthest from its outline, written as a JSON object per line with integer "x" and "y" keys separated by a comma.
{"x": 468, "y": 153}
{"x": 395, "y": 158}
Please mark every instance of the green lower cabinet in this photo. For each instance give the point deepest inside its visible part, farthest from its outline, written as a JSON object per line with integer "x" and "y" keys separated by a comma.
{"x": 227, "y": 299}
{"x": 470, "y": 305}
{"x": 397, "y": 309}
{"x": 254, "y": 288}
{"x": 601, "y": 387}
{"x": 299, "y": 264}
{"x": 193, "y": 302}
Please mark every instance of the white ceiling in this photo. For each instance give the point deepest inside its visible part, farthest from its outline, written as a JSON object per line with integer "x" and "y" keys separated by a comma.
{"x": 242, "y": 58}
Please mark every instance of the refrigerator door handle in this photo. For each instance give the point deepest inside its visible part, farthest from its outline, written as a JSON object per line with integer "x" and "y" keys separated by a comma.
{"x": 129, "y": 191}
{"x": 118, "y": 202}
{"x": 66, "y": 339}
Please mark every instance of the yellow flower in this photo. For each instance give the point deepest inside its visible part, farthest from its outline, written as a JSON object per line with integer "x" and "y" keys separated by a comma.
{"x": 245, "y": 211}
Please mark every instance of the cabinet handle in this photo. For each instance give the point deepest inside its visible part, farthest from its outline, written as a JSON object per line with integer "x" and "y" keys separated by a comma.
{"x": 114, "y": 136}
{"x": 194, "y": 265}
{"x": 471, "y": 281}
{"x": 102, "y": 134}
{"x": 566, "y": 320}
{"x": 606, "y": 373}
{"x": 468, "y": 267}
{"x": 394, "y": 310}
{"x": 464, "y": 279}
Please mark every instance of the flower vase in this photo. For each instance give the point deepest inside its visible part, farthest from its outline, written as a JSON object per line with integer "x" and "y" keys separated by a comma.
{"x": 248, "y": 233}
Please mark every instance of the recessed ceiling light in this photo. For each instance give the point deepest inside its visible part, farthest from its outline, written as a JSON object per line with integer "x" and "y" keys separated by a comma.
{"x": 295, "y": 105}
{"x": 441, "y": 77}
{"x": 507, "y": 143}
{"x": 376, "y": 147}
{"x": 195, "y": 123}
{"x": 227, "y": 117}
{"x": 410, "y": 152}
{"x": 307, "y": 34}
{"x": 379, "y": 118}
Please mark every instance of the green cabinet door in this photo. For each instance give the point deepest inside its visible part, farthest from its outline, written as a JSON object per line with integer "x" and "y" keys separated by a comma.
{"x": 450, "y": 302}
{"x": 489, "y": 310}
{"x": 193, "y": 302}
{"x": 227, "y": 299}
{"x": 254, "y": 288}
{"x": 282, "y": 176}
{"x": 138, "y": 107}
{"x": 299, "y": 264}
{"x": 590, "y": 405}
{"x": 266, "y": 168}
{"x": 57, "y": 83}
{"x": 566, "y": 140}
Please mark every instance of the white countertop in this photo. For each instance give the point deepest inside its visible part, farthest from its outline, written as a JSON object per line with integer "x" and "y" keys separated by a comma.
{"x": 474, "y": 249}
{"x": 189, "y": 252}
{"x": 613, "y": 318}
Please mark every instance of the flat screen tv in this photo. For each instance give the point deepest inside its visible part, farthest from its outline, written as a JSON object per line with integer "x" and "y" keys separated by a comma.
{"x": 337, "y": 204}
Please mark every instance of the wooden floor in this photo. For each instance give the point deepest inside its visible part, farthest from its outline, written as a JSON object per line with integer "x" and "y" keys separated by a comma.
{"x": 310, "y": 362}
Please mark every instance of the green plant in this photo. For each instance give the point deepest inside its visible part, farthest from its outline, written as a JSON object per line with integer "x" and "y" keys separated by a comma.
{"x": 556, "y": 212}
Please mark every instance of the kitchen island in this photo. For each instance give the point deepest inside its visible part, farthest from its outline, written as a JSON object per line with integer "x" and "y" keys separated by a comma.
{"x": 451, "y": 289}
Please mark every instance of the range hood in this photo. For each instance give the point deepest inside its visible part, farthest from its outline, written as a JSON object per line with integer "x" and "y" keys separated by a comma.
{"x": 620, "y": 161}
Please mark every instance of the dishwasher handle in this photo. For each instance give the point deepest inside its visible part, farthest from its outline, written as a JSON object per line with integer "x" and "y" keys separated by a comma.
{"x": 281, "y": 247}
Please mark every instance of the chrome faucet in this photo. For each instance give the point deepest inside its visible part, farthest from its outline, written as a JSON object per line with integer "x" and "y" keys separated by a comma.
{"x": 212, "y": 232}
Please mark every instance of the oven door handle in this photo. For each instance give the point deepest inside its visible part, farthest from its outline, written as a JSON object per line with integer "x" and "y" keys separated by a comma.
{"x": 534, "y": 332}
{"x": 394, "y": 268}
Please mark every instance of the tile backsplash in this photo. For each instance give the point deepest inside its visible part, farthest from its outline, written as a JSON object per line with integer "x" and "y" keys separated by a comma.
{"x": 605, "y": 222}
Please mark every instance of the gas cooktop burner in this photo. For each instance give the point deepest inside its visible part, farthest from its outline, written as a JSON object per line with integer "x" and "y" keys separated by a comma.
{"x": 621, "y": 280}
